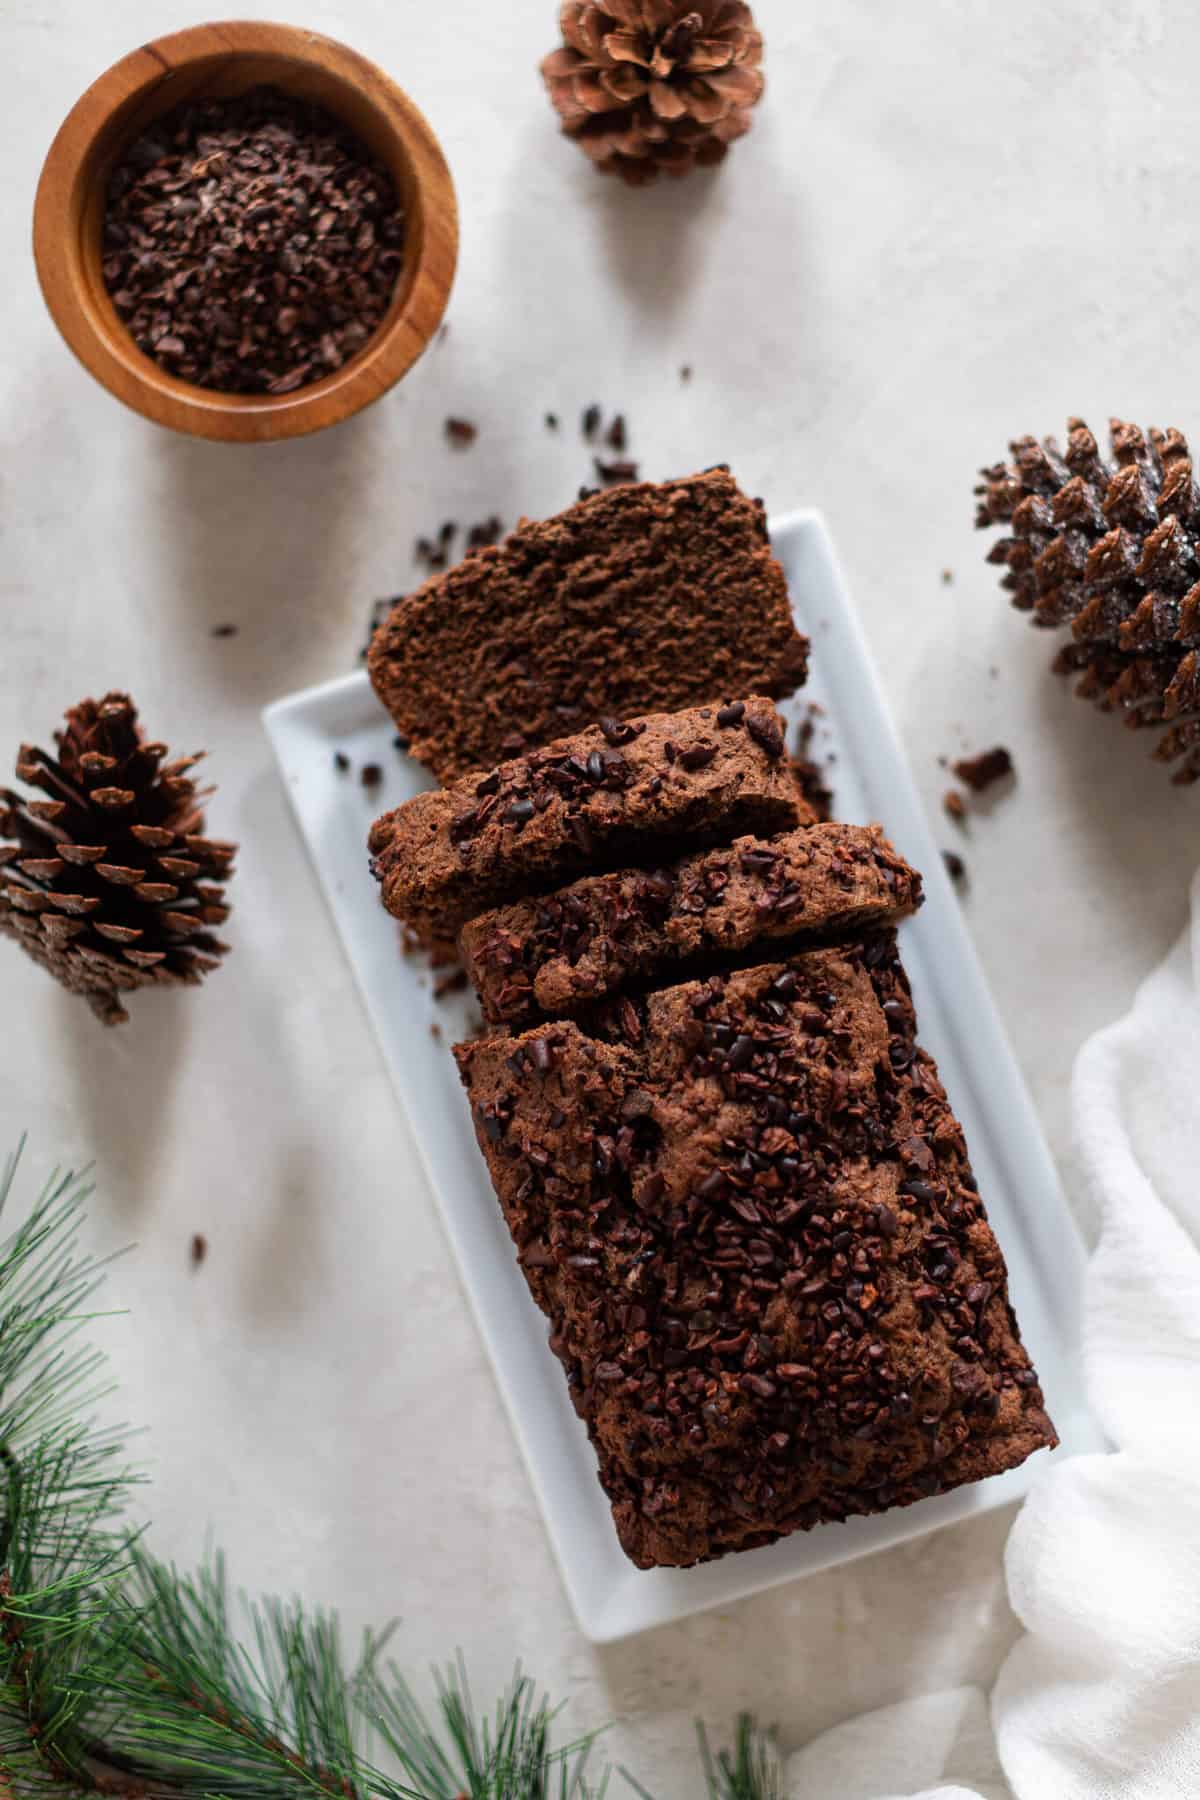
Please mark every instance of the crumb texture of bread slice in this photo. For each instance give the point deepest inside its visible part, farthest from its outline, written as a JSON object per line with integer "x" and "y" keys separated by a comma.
{"x": 563, "y": 951}
{"x": 654, "y": 597}
{"x": 616, "y": 792}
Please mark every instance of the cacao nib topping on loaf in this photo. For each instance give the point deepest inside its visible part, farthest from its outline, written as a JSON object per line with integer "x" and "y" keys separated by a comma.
{"x": 539, "y": 819}
{"x": 562, "y": 951}
{"x": 749, "y": 1216}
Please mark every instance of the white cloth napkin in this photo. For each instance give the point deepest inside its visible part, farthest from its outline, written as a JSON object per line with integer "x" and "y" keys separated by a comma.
{"x": 1101, "y": 1699}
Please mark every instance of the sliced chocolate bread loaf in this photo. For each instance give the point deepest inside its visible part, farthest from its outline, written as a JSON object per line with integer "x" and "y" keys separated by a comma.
{"x": 609, "y": 795}
{"x": 648, "y": 598}
{"x": 756, "y": 1234}
{"x": 560, "y": 952}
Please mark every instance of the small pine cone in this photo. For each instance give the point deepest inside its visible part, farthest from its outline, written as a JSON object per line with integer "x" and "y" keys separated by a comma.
{"x": 108, "y": 882}
{"x": 1112, "y": 550}
{"x": 650, "y": 85}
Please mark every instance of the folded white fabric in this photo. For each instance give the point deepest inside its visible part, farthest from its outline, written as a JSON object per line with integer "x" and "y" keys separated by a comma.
{"x": 1101, "y": 1699}
{"x": 938, "y": 1738}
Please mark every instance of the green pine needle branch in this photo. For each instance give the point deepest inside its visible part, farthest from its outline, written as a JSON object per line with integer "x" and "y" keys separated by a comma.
{"x": 120, "y": 1676}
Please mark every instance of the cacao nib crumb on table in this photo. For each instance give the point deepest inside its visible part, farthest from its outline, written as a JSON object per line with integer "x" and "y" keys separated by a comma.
{"x": 251, "y": 244}
{"x": 767, "y": 1269}
{"x": 565, "y": 950}
{"x": 593, "y": 799}
{"x": 980, "y": 772}
{"x": 647, "y": 598}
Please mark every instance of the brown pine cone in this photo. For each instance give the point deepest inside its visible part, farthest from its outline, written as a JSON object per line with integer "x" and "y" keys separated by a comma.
{"x": 1113, "y": 551}
{"x": 108, "y": 882}
{"x": 644, "y": 85}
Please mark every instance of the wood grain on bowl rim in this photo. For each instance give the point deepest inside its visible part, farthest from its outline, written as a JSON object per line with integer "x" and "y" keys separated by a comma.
{"x": 222, "y": 60}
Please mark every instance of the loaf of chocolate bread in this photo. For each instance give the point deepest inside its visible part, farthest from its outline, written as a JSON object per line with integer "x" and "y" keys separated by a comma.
{"x": 559, "y": 952}
{"x": 619, "y": 790}
{"x": 648, "y": 598}
{"x": 754, "y": 1228}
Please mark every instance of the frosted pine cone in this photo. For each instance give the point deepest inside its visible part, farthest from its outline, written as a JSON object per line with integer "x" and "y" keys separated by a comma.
{"x": 1111, "y": 550}
{"x": 644, "y": 85}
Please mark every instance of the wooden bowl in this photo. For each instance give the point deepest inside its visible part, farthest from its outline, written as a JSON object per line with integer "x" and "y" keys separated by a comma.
{"x": 222, "y": 60}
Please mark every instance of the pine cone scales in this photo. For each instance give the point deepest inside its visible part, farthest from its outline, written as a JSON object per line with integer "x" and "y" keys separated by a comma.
{"x": 1113, "y": 551}
{"x": 108, "y": 882}
{"x": 650, "y": 85}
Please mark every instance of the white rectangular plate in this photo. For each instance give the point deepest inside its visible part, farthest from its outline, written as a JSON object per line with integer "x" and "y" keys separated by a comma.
{"x": 958, "y": 1025}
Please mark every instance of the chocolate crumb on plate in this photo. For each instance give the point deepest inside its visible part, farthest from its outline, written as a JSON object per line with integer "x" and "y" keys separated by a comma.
{"x": 551, "y": 421}
{"x": 954, "y": 804}
{"x": 979, "y": 772}
{"x": 199, "y": 1248}
{"x": 591, "y": 422}
{"x": 956, "y": 868}
{"x": 341, "y": 761}
{"x": 371, "y": 775}
{"x": 224, "y": 631}
{"x": 461, "y": 433}
{"x": 617, "y": 435}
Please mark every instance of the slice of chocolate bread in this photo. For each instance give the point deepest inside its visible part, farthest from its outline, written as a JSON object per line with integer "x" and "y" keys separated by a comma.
{"x": 650, "y": 598}
{"x": 598, "y": 799}
{"x": 756, "y": 1234}
{"x": 560, "y": 952}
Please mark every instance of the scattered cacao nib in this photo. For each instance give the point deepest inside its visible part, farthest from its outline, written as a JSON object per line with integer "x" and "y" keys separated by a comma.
{"x": 979, "y": 772}
{"x": 551, "y": 421}
{"x": 251, "y": 244}
{"x": 224, "y": 631}
{"x": 199, "y": 1248}
{"x": 485, "y": 532}
{"x": 954, "y": 804}
{"x": 461, "y": 433}
{"x": 766, "y": 734}
{"x": 371, "y": 775}
{"x": 955, "y": 866}
{"x": 617, "y": 436}
{"x": 685, "y": 374}
{"x": 341, "y": 761}
{"x": 591, "y": 422}
{"x": 613, "y": 472}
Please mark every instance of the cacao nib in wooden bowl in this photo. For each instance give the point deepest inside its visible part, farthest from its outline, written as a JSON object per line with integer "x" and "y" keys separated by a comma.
{"x": 214, "y": 68}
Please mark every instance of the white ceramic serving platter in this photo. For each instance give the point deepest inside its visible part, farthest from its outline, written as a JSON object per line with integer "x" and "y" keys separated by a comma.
{"x": 959, "y": 1025}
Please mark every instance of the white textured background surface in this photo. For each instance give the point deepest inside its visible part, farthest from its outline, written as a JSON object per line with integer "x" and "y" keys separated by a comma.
{"x": 953, "y": 223}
